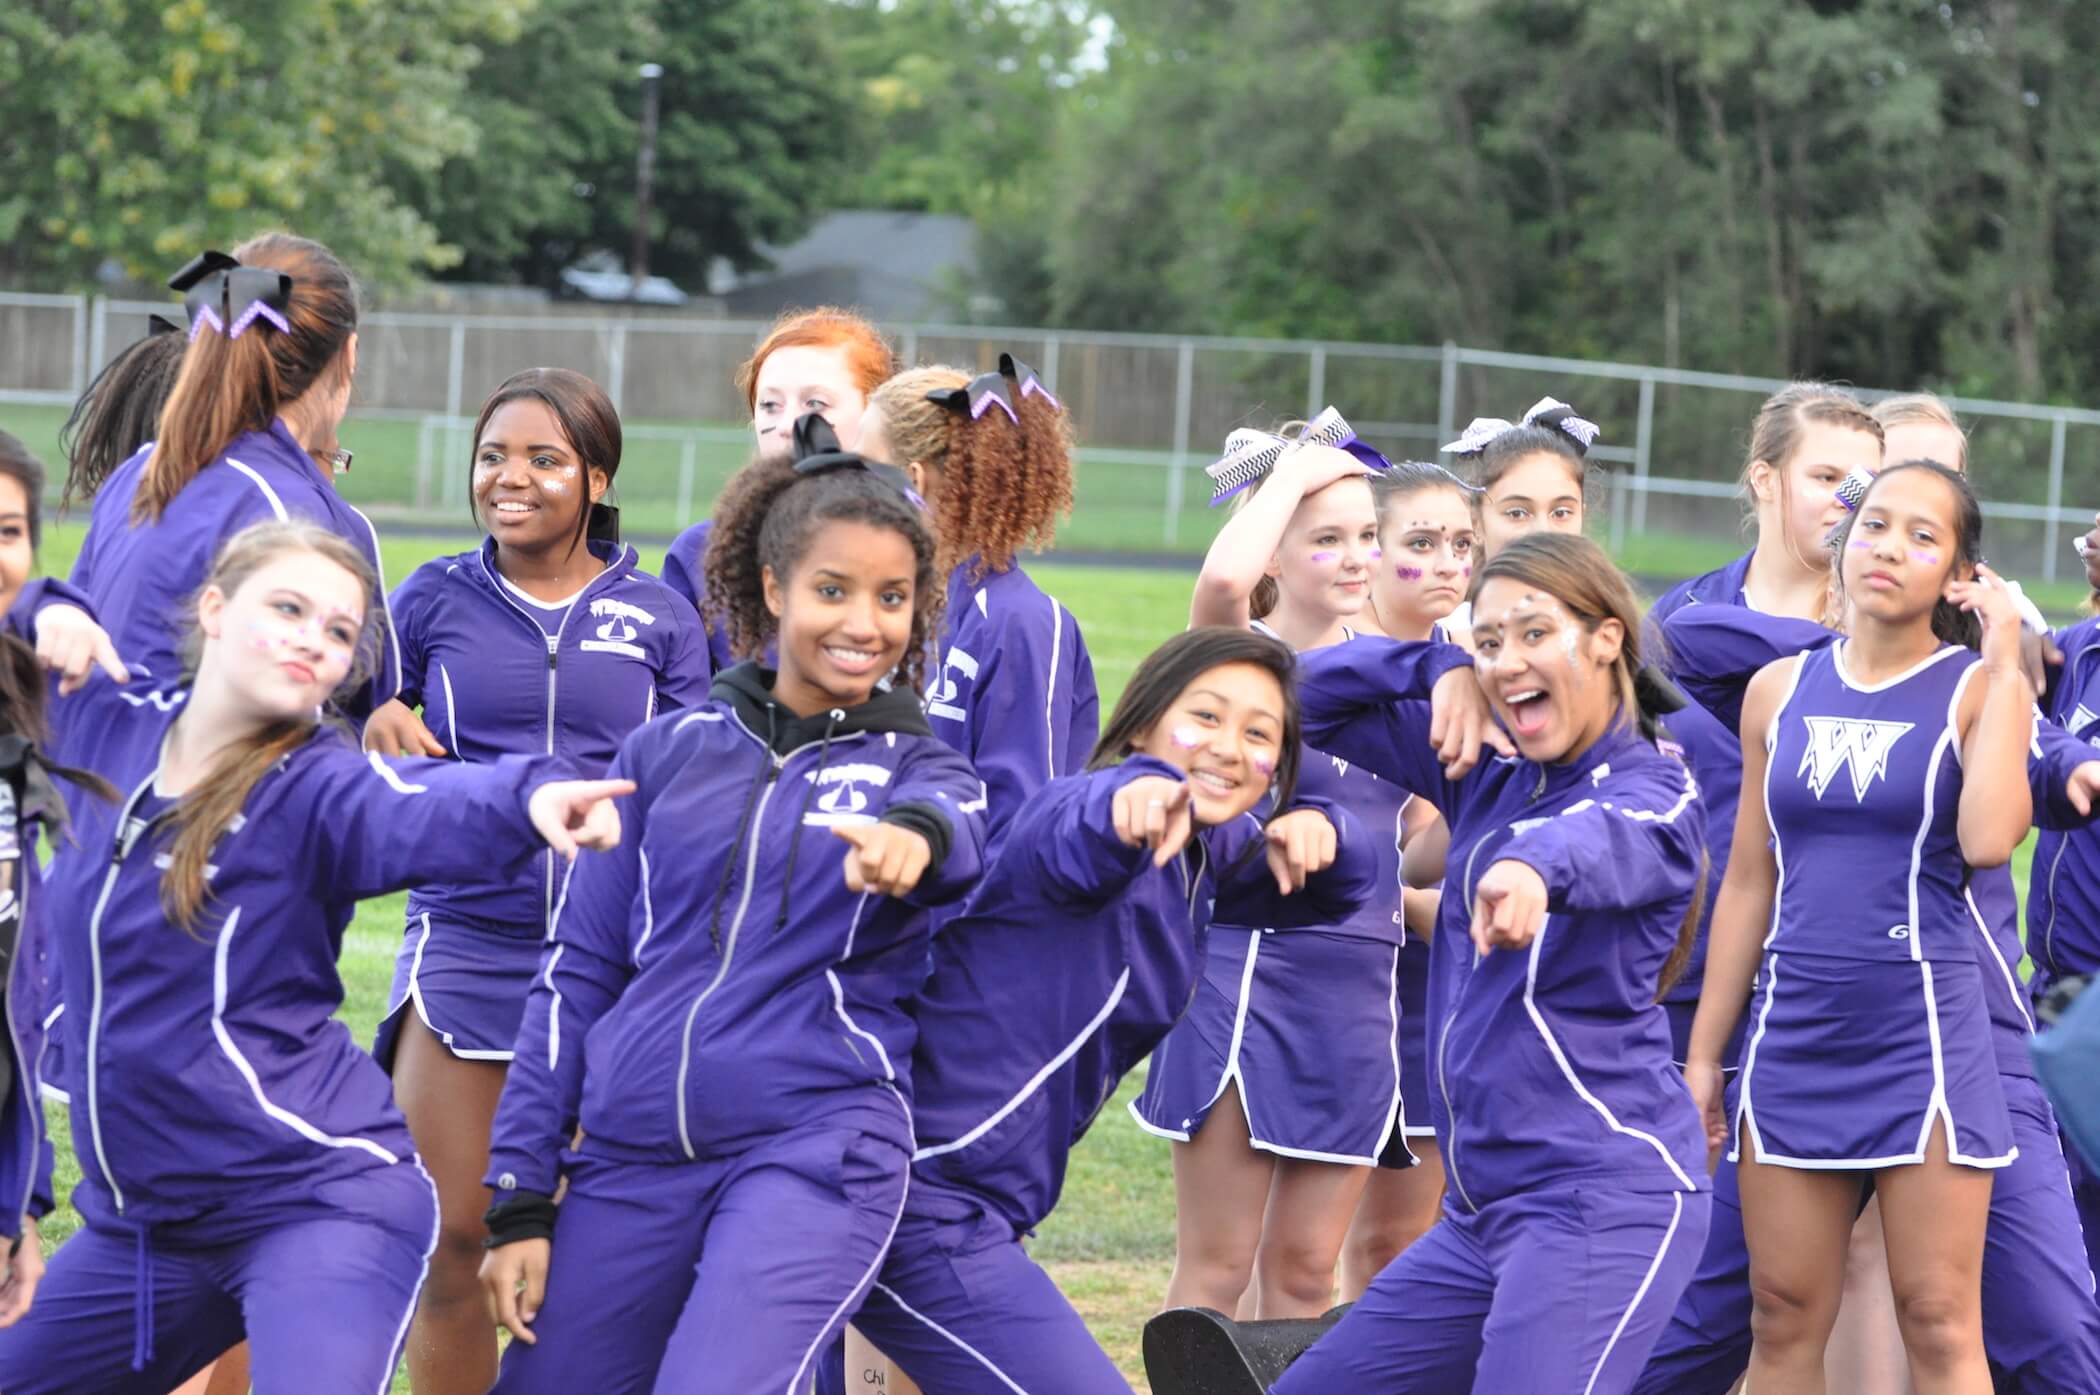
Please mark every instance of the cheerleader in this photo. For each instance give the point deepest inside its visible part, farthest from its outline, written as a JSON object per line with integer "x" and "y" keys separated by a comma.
{"x": 244, "y": 1172}
{"x": 1925, "y": 1115}
{"x": 825, "y": 361}
{"x": 992, "y": 457}
{"x": 1577, "y": 1194}
{"x": 722, "y": 1007}
{"x": 247, "y": 434}
{"x": 2063, "y": 894}
{"x": 545, "y": 639}
{"x": 1529, "y": 476}
{"x": 2041, "y": 1327}
{"x": 1424, "y": 564}
{"x": 1277, "y": 1108}
{"x": 1024, "y": 1034}
{"x": 44, "y": 628}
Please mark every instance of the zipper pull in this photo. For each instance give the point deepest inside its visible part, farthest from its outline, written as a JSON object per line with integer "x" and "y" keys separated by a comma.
{"x": 1541, "y": 789}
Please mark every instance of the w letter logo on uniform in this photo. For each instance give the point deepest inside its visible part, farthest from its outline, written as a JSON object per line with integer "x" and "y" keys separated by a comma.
{"x": 1836, "y": 744}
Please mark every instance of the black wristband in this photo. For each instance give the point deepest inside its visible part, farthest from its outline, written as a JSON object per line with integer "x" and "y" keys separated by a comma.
{"x": 926, "y": 821}
{"x": 519, "y": 1216}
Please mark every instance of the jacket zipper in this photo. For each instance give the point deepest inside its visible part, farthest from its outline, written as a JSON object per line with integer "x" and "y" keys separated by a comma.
{"x": 736, "y": 924}
{"x": 127, "y": 835}
{"x": 1444, "y": 1038}
{"x": 26, "y": 1075}
{"x": 553, "y": 643}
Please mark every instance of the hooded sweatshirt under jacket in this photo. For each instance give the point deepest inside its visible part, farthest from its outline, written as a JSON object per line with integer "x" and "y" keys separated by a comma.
{"x": 715, "y": 973}
{"x": 1068, "y": 965}
{"x": 208, "y": 1076}
{"x": 1549, "y": 1067}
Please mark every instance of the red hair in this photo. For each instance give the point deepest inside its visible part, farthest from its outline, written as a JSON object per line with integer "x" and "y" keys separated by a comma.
{"x": 868, "y": 355}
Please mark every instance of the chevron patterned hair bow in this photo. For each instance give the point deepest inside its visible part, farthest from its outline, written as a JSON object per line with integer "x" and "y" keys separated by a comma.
{"x": 221, "y": 293}
{"x": 1003, "y": 388}
{"x": 1250, "y": 454}
{"x": 1546, "y": 412}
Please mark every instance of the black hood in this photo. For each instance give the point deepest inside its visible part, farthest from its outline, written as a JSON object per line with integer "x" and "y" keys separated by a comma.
{"x": 748, "y": 688}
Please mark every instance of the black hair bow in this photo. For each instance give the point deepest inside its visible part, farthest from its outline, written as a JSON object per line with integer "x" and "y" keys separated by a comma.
{"x": 222, "y": 293}
{"x": 1001, "y": 388}
{"x": 817, "y": 452}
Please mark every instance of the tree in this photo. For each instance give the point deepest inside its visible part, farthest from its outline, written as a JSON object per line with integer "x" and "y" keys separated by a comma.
{"x": 142, "y": 133}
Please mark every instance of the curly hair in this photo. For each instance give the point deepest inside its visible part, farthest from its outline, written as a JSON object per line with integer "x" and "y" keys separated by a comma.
{"x": 999, "y": 486}
{"x": 766, "y": 517}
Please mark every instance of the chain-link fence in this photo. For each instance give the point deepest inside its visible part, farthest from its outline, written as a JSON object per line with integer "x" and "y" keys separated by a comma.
{"x": 1149, "y": 410}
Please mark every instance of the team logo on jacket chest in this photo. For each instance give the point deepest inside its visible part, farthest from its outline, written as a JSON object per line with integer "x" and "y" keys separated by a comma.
{"x": 1840, "y": 744}
{"x": 842, "y": 794}
{"x": 941, "y": 695}
{"x": 613, "y": 628}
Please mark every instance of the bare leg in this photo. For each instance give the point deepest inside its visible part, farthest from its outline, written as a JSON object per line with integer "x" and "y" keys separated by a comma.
{"x": 1310, "y": 1204}
{"x": 1797, "y": 1224}
{"x": 1866, "y": 1346}
{"x": 1221, "y": 1187}
{"x": 451, "y": 1106}
{"x": 226, "y": 1376}
{"x": 1936, "y": 1213}
{"x": 1398, "y": 1209}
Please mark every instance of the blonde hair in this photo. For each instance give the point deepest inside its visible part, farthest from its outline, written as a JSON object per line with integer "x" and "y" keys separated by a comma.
{"x": 1923, "y": 409}
{"x": 203, "y": 815}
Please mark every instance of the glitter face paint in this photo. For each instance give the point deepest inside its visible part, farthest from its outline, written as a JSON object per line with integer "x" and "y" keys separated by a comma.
{"x": 1926, "y": 559}
{"x": 1322, "y": 558}
{"x": 1186, "y": 737}
{"x": 1407, "y": 573}
{"x": 1265, "y": 765}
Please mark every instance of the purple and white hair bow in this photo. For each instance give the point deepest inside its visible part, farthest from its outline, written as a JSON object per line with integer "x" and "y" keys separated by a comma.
{"x": 1853, "y": 488}
{"x": 1250, "y": 454}
{"x": 1029, "y": 383}
{"x": 1548, "y": 412}
{"x": 220, "y": 293}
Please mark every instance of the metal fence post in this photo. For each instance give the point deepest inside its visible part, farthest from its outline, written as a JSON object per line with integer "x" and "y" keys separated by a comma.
{"x": 456, "y": 370}
{"x": 616, "y": 366}
{"x": 1051, "y": 344}
{"x": 1643, "y": 446}
{"x": 423, "y": 462}
{"x": 2052, "y": 531}
{"x": 1184, "y": 395}
{"x": 910, "y": 356}
{"x": 98, "y": 334}
{"x": 1447, "y": 396}
{"x": 81, "y": 370}
{"x": 1316, "y": 381}
{"x": 688, "y": 463}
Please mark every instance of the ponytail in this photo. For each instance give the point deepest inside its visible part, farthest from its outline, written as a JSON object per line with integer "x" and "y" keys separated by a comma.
{"x": 120, "y": 411}
{"x": 240, "y": 376}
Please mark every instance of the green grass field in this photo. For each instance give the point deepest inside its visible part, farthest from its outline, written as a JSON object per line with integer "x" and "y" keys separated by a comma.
{"x": 1110, "y": 1243}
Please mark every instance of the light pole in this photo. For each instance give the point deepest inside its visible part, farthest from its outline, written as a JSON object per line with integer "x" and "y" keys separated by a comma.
{"x": 644, "y": 177}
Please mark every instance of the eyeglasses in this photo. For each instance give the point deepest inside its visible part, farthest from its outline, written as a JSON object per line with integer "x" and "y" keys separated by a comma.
{"x": 339, "y": 459}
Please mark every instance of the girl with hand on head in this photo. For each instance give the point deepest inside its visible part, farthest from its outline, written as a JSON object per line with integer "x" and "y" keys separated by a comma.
{"x": 1576, "y": 1166}
{"x": 826, "y": 361}
{"x": 721, "y": 1008}
{"x": 1281, "y": 1086}
{"x": 244, "y": 1171}
{"x": 248, "y": 434}
{"x": 545, "y": 639}
{"x": 1845, "y": 750}
{"x": 1427, "y": 545}
{"x": 1067, "y": 966}
{"x": 1015, "y": 688}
